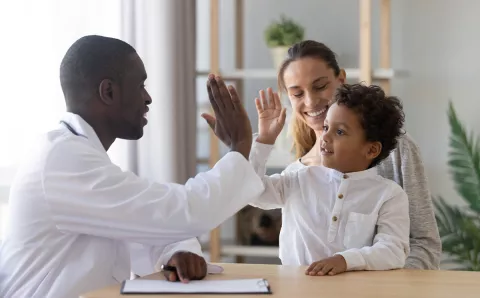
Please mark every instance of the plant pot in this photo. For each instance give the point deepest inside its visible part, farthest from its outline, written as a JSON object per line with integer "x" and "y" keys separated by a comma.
{"x": 278, "y": 55}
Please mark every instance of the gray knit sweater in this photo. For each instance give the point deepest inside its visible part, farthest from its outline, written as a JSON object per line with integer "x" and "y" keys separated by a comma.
{"x": 404, "y": 166}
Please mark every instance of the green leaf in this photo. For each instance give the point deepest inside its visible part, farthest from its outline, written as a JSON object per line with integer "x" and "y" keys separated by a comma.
{"x": 285, "y": 32}
{"x": 460, "y": 233}
{"x": 464, "y": 161}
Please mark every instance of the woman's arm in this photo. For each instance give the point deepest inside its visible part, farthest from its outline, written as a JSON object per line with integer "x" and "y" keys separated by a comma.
{"x": 405, "y": 166}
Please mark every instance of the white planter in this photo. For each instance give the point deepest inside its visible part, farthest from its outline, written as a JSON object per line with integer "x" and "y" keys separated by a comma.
{"x": 278, "y": 55}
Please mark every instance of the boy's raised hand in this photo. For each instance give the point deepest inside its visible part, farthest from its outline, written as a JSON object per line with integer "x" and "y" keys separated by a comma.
{"x": 271, "y": 116}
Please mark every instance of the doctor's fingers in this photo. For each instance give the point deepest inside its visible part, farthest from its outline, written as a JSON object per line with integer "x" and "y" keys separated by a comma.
{"x": 195, "y": 266}
{"x": 170, "y": 276}
{"x": 218, "y": 92}
{"x": 211, "y": 98}
{"x": 210, "y": 120}
{"x": 237, "y": 104}
{"x": 226, "y": 96}
{"x": 200, "y": 268}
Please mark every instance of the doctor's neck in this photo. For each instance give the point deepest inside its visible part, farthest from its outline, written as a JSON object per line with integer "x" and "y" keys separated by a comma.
{"x": 101, "y": 127}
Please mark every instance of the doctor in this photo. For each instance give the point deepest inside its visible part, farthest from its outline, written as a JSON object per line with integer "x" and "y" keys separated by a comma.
{"x": 73, "y": 214}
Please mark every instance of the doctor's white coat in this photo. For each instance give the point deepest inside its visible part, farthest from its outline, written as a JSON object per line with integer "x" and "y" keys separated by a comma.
{"x": 74, "y": 215}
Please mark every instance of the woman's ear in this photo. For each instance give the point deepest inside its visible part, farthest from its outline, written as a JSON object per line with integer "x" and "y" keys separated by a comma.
{"x": 342, "y": 76}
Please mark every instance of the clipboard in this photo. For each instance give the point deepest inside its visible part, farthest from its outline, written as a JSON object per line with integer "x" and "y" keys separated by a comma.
{"x": 211, "y": 287}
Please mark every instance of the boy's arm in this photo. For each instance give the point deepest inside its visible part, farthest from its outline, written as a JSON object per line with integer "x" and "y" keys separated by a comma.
{"x": 274, "y": 195}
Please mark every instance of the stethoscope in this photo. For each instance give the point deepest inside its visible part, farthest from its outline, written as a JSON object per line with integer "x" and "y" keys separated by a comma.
{"x": 71, "y": 129}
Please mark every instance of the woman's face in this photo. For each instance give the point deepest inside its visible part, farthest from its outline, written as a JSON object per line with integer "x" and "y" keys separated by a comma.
{"x": 310, "y": 86}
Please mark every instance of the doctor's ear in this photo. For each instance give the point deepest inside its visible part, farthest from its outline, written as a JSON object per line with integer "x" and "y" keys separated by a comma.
{"x": 107, "y": 91}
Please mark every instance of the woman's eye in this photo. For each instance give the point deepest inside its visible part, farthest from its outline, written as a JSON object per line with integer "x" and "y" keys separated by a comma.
{"x": 298, "y": 95}
{"x": 319, "y": 88}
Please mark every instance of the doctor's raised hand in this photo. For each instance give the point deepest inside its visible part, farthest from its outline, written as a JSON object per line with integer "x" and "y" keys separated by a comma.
{"x": 271, "y": 116}
{"x": 230, "y": 123}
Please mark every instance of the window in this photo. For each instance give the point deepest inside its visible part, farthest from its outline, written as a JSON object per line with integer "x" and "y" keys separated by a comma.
{"x": 35, "y": 36}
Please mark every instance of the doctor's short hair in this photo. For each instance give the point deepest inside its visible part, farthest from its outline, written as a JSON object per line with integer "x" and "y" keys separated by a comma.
{"x": 381, "y": 116}
{"x": 88, "y": 61}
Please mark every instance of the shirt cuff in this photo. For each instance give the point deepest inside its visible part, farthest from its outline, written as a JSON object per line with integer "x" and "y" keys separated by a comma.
{"x": 260, "y": 152}
{"x": 354, "y": 260}
{"x": 190, "y": 245}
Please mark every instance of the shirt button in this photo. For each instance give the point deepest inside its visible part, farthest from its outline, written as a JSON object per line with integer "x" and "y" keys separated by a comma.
{"x": 334, "y": 218}
{"x": 345, "y": 176}
{"x": 340, "y": 196}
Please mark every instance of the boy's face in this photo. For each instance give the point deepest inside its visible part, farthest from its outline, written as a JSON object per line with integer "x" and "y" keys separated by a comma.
{"x": 344, "y": 146}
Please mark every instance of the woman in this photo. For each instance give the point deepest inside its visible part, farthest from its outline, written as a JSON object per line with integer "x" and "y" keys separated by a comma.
{"x": 310, "y": 75}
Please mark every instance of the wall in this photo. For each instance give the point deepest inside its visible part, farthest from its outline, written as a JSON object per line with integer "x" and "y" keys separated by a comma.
{"x": 435, "y": 40}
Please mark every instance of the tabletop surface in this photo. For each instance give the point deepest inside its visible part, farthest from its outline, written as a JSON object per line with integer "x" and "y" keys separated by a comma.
{"x": 291, "y": 281}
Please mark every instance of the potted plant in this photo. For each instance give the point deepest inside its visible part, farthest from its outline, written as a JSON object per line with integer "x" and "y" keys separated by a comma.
{"x": 280, "y": 35}
{"x": 459, "y": 227}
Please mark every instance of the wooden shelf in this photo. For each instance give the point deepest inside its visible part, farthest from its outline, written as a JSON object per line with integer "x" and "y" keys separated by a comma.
{"x": 249, "y": 251}
{"x": 228, "y": 249}
{"x": 352, "y": 74}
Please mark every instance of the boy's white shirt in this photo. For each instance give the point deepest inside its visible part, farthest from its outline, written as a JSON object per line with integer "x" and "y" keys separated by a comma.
{"x": 361, "y": 216}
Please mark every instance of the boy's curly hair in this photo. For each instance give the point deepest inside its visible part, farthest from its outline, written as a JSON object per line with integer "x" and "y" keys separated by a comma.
{"x": 381, "y": 116}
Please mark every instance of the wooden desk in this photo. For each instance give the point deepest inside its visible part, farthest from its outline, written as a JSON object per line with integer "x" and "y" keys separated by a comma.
{"x": 286, "y": 281}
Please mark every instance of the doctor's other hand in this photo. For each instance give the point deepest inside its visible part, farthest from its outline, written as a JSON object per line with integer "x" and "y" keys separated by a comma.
{"x": 329, "y": 266}
{"x": 271, "y": 116}
{"x": 230, "y": 123}
{"x": 190, "y": 266}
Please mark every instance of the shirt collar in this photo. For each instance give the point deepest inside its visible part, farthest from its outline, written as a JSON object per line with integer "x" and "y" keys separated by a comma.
{"x": 334, "y": 174}
{"x": 81, "y": 127}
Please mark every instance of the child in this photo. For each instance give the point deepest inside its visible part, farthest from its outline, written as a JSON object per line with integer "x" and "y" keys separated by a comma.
{"x": 341, "y": 216}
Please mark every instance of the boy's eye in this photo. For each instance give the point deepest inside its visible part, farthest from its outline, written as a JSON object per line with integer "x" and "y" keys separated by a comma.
{"x": 340, "y": 132}
{"x": 325, "y": 128}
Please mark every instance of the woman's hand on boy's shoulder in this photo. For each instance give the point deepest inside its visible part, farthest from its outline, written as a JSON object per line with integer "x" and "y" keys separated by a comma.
{"x": 329, "y": 266}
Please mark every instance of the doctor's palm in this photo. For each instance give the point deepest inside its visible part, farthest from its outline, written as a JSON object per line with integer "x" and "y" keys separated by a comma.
{"x": 230, "y": 124}
{"x": 271, "y": 116}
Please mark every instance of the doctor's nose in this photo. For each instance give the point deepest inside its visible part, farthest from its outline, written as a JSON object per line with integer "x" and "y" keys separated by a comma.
{"x": 147, "y": 98}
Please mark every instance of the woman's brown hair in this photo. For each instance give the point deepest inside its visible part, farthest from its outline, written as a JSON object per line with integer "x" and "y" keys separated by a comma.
{"x": 303, "y": 136}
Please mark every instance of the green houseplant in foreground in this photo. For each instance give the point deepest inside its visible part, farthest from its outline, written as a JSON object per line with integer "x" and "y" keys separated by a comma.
{"x": 280, "y": 35}
{"x": 459, "y": 227}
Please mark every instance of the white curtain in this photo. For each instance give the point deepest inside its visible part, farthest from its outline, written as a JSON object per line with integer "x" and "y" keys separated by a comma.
{"x": 163, "y": 33}
{"x": 35, "y": 35}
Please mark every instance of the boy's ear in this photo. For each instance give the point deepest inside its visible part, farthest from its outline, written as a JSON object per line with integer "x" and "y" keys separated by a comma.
{"x": 374, "y": 150}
